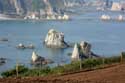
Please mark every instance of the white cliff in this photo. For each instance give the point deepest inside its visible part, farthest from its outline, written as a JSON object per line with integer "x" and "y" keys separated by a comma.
{"x": 55, "y": 39}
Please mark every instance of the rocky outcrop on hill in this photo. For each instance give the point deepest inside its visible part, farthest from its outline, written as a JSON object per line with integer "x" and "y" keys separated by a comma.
{"x": 82, "y": 51}
{"x": 55, "y": 39}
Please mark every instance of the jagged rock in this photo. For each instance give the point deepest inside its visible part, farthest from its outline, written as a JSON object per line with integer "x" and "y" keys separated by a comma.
{"x": 75, "y": 54}
{"x": 120, "y": 18}
{"x": 116, "y": 6}
{"x": 82, "y": 51}
{"x": 31, "y": 46}
{"x": 22, "y": 46}
{"x": 55, "y": 39}
{"x": 38, "y": 60}
{"x": 105, "y": 17}
{"x": 86, "y": 48}
{"x": 2, "y": 61}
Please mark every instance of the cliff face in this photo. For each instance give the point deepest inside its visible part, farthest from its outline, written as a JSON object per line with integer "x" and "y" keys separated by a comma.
{"x": 24, "y": 6}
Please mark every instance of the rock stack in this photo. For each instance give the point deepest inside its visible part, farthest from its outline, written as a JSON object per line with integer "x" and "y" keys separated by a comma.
{"x": 82, "y": 51}
{"x": 55, "y": 39}
{"x": 75, "y": 54}
{"x": 2, "y": 61}
{"x": 105, "y": 17}
{"x": 120, "y": 18}
{"x": 37, "y": 59}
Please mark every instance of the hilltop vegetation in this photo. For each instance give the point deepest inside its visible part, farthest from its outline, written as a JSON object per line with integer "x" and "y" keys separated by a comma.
{"x": 85, "y": 65}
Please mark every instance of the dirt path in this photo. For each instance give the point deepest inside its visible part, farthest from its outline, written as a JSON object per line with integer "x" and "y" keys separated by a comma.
{"x": 114, "y": 74}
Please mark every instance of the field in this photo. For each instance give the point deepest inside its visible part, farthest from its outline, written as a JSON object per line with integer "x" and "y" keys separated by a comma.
{"x": 112, "y": 74}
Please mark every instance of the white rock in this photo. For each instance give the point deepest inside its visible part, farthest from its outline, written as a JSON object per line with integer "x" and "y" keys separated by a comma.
{"x": 75, "y": 53}
{"x": 116, "y": 6}
{"x": 55, "y": 39}
{"x": 59, "y": 17}
{"x": 105, "y": 17}
{"x": 34, "y": 56}
{"x": 82, "y": 51}
{"x": 65, "y": 17}
{"x": 120, "y": 18}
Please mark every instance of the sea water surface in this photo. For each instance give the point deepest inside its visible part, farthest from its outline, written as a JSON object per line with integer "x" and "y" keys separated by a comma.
{"x": 106, "y": 37}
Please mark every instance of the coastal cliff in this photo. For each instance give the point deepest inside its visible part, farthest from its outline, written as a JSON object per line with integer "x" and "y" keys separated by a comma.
{"x": 25, "y": 6}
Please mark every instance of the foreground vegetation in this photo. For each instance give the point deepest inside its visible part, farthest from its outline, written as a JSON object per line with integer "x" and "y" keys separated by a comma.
{"x": 87, "y": 64}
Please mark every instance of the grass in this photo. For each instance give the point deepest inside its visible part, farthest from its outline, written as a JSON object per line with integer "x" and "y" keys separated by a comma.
{"x": 89, "y": 64}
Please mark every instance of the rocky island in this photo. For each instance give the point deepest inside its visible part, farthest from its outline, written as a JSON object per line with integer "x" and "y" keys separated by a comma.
{"x": 55, "y": 39}
{"x": 39, "y": 60}
{"x": 82, "y": 51}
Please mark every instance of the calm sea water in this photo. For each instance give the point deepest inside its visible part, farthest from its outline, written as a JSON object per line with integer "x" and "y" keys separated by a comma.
{"x": 107, "y": 38}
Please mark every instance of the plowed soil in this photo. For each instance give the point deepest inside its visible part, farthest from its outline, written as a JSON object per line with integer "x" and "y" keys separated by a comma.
{"x": 114, "y": 74}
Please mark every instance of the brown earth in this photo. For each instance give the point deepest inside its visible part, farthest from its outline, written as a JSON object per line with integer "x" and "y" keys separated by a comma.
{"x": 114, "y": 74}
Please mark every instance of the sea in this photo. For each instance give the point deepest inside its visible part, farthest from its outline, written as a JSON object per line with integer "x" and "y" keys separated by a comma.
{"x": 106, "y": 37}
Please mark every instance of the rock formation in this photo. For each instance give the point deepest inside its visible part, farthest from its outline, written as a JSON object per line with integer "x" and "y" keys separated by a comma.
{"x": 116, "y": 6}
{"x": 75, "y": 54}
{"x": 22, "y": 46}
{"x": 38, "y": 60}
{"x": 120, "y": 18}
{"x": 55, "y": 39}
{"x": 82, "y": 51}
{"x": 105, "y": 17}
{"x": 2, "y": 61}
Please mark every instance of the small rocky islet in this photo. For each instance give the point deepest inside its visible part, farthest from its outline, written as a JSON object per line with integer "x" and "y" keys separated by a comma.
{"x": 55, "y": 39}
{"x": 2, "y": 61}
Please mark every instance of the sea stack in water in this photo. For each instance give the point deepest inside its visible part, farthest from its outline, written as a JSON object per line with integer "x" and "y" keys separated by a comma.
{"x": 82, "y": 51}
{"x": 2, "y": 61}
{"x": 37, "y": 59}
{"x": 55, "y": 39}
{"x": 75, "y": 54}
{"x": 120, "y": 18}
{"x": 105, "y": 17}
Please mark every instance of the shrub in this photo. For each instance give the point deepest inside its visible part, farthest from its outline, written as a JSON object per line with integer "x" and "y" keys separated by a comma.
{"x": 57, "y": 70}
{"x": 21, "y": 70}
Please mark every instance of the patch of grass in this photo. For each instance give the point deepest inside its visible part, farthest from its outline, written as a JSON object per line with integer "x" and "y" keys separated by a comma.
{"x": 92, "y": 63}
{"x": 12, "y": 72}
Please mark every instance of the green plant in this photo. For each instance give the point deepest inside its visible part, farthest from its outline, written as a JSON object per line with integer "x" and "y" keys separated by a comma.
{"x": 21, "y": 70}
{"x": 91, "y": 63}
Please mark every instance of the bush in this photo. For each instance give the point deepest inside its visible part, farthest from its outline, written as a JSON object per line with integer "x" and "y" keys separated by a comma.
{"x": 72, "y": 67}
{"x": 57, "y": 70}
{"x": 114, "y": 59}
{"x": 21, "y": 70}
